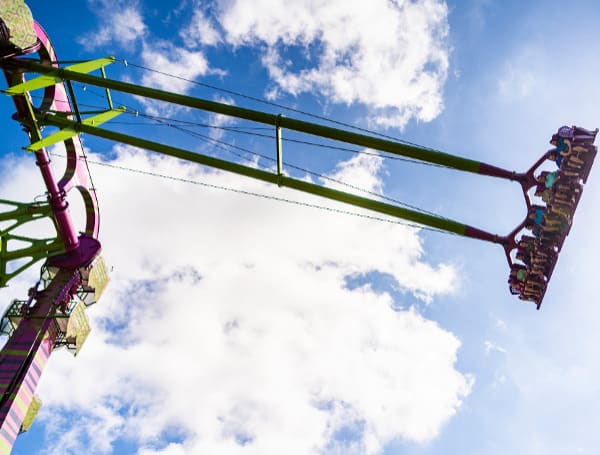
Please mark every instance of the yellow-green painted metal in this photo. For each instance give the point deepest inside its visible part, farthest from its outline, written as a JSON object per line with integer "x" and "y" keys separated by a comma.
{"x": 67, "y": 133}
{"x": 46, "y": 80}
{"x": 358, "y": 201}
{"x": 279, "y": 122}
{"x": 23, "y": 212}
{"x": 393, "y": 147}
{"x": 36, "y": 250}
{"x": 17, "y": 18}
{"x": 31, "y": 414}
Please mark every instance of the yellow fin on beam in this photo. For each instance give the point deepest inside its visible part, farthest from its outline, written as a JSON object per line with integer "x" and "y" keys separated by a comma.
{"x": 68, "y": 133}
{"x": 48, "y": 80}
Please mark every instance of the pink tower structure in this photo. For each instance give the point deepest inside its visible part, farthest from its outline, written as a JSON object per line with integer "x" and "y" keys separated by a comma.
{"x": 73, "y": 276}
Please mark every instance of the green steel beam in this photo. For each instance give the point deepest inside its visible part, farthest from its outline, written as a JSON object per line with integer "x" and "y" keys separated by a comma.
{"x": 358, "y": 201}
{"x": 397, "y": 148}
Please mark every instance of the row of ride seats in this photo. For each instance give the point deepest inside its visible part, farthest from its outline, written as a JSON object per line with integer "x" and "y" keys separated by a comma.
{"x": 550, "y": 221}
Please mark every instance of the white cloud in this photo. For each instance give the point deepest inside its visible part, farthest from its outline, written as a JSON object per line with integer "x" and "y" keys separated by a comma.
{"x": 171, "y": 449}
{"x": 200, "y": 31}
{"x": 493, "y": 347}
{"x": 173, "y": 69}
{"x": 168, "y": 58}
{"x": 228, "y": 322}
{"x": 121, "y": 22}
{"x": 94, "y": 432}
{"x": 362, "y": 171}
{"x": 389, "y": 56}
{"x": 516, "y": 83}
{"x": 218, "y": 121}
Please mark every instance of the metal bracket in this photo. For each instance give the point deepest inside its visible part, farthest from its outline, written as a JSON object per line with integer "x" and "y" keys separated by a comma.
{"x": 279, "y": 149}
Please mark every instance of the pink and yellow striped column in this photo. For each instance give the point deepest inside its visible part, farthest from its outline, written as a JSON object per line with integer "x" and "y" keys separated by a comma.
{"x": 18, "y": 401}
{"x": 26, "y": 353}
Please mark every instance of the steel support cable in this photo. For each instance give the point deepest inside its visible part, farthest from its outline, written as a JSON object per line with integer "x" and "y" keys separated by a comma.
{"x": 227, "y": 147}
{"x": 239, "y": 130}
{"x": 247, "y": 131}
{"x": 370, "y": 141}
{"x": 224, "y": 145}
{"x": 270, "y": 103}
{"x": 315, "y": 144}
{"x": 166, "y": 121}
{"x": 263, "y": 196}
{"x": 232, "y": 129}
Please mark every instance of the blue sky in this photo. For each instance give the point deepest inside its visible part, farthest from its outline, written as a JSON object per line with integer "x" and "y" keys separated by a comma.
{"x": 239, "y": 325}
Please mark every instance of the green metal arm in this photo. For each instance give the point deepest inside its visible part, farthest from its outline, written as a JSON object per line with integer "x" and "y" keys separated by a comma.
{"x": 397, "y": 148}
{"x": 275, "y": 178}
{"x": 70, "y": 127}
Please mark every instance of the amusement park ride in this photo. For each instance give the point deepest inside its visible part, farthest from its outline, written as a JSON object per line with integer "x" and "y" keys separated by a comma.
{"x": 73, "y": 275}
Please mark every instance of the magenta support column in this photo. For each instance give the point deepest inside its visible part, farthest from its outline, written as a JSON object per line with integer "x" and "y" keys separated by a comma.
{"x": 57, "y": 200}
{"x": 56, "y": 197}
{"x": 54, "y": 97}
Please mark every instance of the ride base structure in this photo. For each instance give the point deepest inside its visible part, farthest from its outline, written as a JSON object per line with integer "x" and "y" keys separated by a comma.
{"x": 74, "y": 276}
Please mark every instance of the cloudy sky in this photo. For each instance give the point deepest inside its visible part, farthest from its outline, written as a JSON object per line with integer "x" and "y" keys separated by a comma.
{"x": 238, "y": 324}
